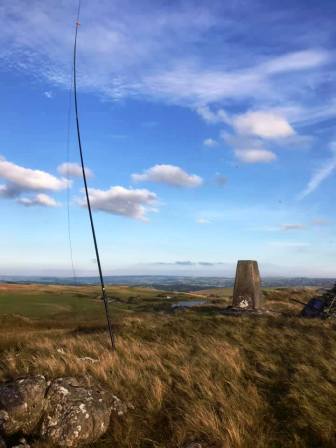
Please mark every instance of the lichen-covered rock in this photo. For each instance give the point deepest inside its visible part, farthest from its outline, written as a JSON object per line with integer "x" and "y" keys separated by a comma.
{"x": 118, "y": 407}
{"x": 21, "y": 404}
{"x": 75, "y": 413}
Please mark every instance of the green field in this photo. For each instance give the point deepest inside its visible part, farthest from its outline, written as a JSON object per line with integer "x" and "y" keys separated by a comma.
{"x": 80, "y": 303}
{"x": 192, "y": 375}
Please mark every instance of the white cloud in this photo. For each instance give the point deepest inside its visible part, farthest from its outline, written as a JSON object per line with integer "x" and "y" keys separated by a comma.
{"x": 170, "y": 175}
{"x": 40, "y": 199}
{"x": 250, "y": 130}
{"x": 48, "y": 94}
{"x": 322, "y": 173}
{"x": 203, "y": 221}
{"x": 255, "y": 155}
{"x": 72, "y": 170}
{"x": 263, "y": 124}
{"x": 287, "y": 227}
{"x": 133, "y": 203}
{"x": 210, "y": 142}
{"x": 20, "y": 179}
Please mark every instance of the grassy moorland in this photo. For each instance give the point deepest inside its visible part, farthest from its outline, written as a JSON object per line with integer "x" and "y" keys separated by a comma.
{"x": 191, "y": 375}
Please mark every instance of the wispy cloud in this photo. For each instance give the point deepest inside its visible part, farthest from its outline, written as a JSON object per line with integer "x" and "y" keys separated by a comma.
{"x": 164, "y": 61}
{"x": 320, "y": 222}
{"x": 189, "y": 263}
{"x": 210, "y": 142}
{"x": 302, "y": 116}
{"x": 300, "y": 60}
{"x": 290, "y": 244}
{"x": 213, "y": 116}
{"x": 170, "y": 175}
{"x": 202, "y": 86}
{"x": 273, "y": 90}
{"x": 287, "y": 227}
{"x": 203, "y": 221}
{"x": 321, "y": 174}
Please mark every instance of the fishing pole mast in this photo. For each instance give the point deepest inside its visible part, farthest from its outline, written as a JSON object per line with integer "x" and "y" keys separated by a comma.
{"x": 102, "y": 284}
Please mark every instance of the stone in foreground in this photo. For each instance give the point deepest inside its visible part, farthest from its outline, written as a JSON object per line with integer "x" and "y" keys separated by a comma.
{"x": 21, "y": 404}
{"x": 247, "y": 288}
{"x": 75, "y": 414}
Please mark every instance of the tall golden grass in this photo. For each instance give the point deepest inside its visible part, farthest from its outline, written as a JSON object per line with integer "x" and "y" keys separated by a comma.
{"x": 224, "y": 381}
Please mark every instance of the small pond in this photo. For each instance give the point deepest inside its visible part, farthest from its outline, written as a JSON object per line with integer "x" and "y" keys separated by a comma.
{"x": 188, "y": 303}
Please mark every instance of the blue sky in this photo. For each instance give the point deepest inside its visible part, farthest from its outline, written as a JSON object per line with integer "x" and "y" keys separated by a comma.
{"x": 208, "y": 130}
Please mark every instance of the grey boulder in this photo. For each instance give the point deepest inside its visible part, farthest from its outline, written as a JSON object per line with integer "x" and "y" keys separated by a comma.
{"x": 21, "y": 404}
{"x": 75, "y": 414}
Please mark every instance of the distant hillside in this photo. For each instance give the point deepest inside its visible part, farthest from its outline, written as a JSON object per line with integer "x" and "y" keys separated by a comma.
{"x": 171, "y": 283}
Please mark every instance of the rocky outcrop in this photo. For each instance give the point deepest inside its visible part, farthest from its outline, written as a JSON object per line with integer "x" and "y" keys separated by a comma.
{"x": 75, "y": 414}
{"x": 65, "y": 412}
{"x": 21, "y": 404}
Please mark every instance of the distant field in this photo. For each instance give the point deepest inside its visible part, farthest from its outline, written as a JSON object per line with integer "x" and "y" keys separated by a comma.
{"x": 195, "y": 375}
{"x": 84, "y": 303}
{"x": 78, "y": 302}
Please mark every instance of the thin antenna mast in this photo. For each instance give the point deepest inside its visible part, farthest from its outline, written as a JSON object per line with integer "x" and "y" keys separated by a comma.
{"x": 105, "y": 299}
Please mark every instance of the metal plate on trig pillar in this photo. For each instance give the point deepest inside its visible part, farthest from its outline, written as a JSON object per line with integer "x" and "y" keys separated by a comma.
{"x": 247, "y": 287}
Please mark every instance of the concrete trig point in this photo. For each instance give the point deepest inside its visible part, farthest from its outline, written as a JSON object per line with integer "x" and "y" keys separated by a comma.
{"x": 247, "y": 287}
